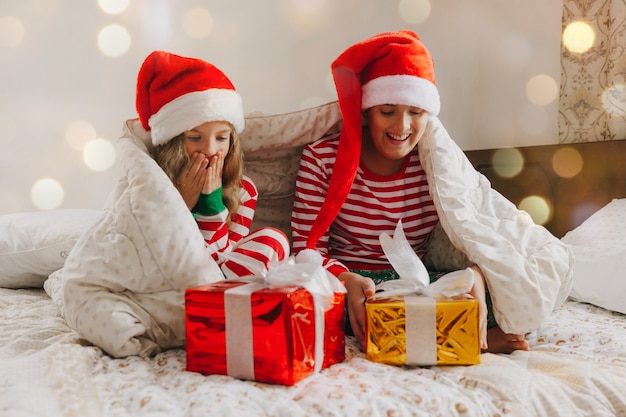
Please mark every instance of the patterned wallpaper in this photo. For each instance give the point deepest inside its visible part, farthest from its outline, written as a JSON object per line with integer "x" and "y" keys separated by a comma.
{"x": 592, "y": 105}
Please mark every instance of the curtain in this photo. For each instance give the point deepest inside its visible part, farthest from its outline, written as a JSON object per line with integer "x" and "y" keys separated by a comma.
{"x": 592, "y": 103}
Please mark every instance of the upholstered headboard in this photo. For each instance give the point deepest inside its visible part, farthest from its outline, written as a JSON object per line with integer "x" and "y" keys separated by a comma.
{"x": 575, "y": 180}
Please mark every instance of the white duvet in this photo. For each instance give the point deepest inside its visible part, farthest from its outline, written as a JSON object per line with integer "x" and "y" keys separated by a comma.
{"x": 122, "y": 286}
{"x": 528, "y": 271}
{"x": 576, "y": 367}
{"x": 123, "y": 283}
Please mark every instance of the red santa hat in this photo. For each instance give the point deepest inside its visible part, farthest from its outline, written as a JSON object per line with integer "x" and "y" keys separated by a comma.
{"x": 176, "y": 93}
{"x": 389, "y": 68}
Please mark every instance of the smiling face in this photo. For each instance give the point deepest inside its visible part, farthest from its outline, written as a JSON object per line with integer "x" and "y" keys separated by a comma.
{"x": 392, "y": 133}
{"x": 209, "y": 138}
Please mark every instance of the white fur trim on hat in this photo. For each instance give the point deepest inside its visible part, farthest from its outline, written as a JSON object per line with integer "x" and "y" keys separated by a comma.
{"x": 193, "y": 109}
{"x": 401, "y": 89}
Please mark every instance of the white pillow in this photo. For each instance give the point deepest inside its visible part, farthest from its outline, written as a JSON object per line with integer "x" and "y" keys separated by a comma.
{"x": 599, "y": 246}
{"x": 35, "y": 244}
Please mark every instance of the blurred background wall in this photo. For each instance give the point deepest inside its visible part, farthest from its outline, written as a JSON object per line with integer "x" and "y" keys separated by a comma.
{"x": 68, "y": 72}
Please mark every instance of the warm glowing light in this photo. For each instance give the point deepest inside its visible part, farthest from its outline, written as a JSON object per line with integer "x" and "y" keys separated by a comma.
{"x": 114, "y": 40}
{"x": 537, "y": 207}
{"x": 11, "y": 31}
{"x": 113, "y": 6}
{"x": 578, "y": 37}
{"x": 99, "y": 155}
{"x": 47, "y": 194}
{"x": 414, "y": 11}
{"x": 542, "y": 90}
{"x": 567, "y": 162}
{"x": 309, "y": 7}
{"x": 614, "y": 100}
{"x": 198, "y": 23}
{"x": 79, "y": 133}
{"x": 508, "y": 162}
{"x": 306, "y": 16}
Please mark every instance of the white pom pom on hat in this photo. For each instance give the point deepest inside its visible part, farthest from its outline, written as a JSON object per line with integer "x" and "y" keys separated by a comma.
{"x": 176, "y": 93}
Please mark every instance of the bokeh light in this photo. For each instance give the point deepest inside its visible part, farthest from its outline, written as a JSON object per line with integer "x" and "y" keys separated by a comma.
{"x": 578, "y": 37}
{"x": 113, "y": 6}
{"x": 114, "y": 40}
{"x": 614, "y": 100}
{"x": 542, "y": 90}
{"x": 508, "y": 162}
{"x": 567, "y": 162}
{"x": 414, "y": 11}
{"x": 78, "y": 133}
{"x": 198, "y": 23}
{"x": 309, "y": 7}
{"x": 47, "y": 194}
{"x": 11, "y": 31}
{"x": 537, "y": 207}
{"x": 305, "y": 16}
{"x": 99, "y": 155}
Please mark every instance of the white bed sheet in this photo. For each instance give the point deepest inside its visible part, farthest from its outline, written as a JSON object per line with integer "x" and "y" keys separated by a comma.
{"x": 577, "y": 367}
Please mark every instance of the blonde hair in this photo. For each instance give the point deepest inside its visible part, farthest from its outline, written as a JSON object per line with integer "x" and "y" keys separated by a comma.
{"x": 172, "y": 157}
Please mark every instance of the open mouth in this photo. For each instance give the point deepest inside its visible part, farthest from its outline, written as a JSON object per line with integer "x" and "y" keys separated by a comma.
{"x": 399, "y": 138}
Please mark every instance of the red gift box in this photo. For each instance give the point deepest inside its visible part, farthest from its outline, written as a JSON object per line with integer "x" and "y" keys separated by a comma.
{"x": 268, "y": 334}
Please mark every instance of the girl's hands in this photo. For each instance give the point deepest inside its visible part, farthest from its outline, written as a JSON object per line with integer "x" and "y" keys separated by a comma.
{"x": 200, "y": 175}
{"x": 478, "y": 292}
{"x": 214, "y": 171}
{"x": 359, "y": 289}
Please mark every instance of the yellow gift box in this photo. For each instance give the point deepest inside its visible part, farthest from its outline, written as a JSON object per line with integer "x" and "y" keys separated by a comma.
{"x": 411, "y": 321}
{"x": 419, "y": 330}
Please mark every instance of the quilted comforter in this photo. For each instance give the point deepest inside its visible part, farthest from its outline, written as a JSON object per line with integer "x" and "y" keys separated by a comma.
{"x": 122, "y": 285}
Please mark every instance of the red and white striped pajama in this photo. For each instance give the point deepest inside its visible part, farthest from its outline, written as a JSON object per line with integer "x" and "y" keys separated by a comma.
{"x": 243, "y": 253}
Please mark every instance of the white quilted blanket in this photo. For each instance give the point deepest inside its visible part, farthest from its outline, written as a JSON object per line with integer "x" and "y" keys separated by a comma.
{"x": 122, "y": 286}
{"x": 576, "y": 367}
{"x": 528, "y": 271}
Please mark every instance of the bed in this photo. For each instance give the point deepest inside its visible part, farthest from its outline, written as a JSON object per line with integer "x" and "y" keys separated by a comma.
{"x": 576, "y": 365}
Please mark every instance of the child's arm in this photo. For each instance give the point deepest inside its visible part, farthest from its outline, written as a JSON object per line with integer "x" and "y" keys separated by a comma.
{"x": 478, "y": 292}
{"x": 358, "y": 288}
{"x": 211, "y": 216}
{"x": 211, "y": 213}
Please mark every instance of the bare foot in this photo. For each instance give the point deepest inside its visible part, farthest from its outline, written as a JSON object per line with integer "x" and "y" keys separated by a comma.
{"x": 500, "y": 342}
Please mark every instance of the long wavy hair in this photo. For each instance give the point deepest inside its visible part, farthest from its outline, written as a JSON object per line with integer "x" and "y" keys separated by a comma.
{"x": 172, "y": 157}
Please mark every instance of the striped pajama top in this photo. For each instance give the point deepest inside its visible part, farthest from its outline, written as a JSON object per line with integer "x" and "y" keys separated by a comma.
{"x": 374, "y": 205}
{"x": 217, "y": 235}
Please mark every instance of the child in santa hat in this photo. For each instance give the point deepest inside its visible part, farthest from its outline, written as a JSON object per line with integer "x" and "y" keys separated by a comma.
{"x": 194, "y": 115}
{"x": 353, "y": 187}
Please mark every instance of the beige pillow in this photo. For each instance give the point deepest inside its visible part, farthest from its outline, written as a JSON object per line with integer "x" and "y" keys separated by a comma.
{"x": 272, "y": 145}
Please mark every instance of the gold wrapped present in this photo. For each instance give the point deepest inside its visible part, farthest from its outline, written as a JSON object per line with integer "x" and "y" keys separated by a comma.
{"x": 413, "y": 322}
{"x": 418, "y": 330}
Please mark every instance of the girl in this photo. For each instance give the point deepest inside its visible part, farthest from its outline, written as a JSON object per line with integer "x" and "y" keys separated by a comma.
{"x": 194, "y": 115}
{"x": 394, "y": 161}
